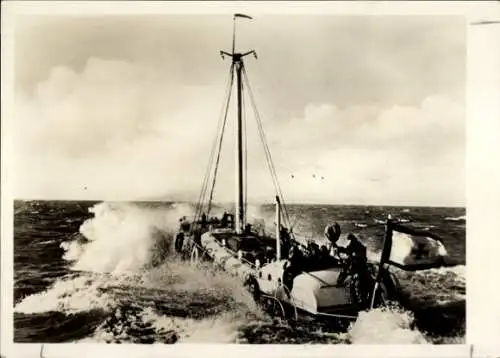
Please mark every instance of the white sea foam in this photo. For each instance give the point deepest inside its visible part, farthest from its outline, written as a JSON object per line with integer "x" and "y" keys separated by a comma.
{"x": 121, "y": 236}
{"x": 219, "y": 329}
{"x": 385, "y": 326}
{"x": 457, "y": 218}
{"x": 71, "y": 295}
{"x": 72, "y": 250}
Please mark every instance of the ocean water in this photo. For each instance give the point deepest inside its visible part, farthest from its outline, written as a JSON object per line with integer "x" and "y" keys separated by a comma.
{"x": 104, "y": 272}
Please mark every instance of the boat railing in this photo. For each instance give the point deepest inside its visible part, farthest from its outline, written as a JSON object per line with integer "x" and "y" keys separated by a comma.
{"x": 336, "y": 315}
{"x": 292, "y": 300}
{"x": 276, "y": 300}
{"x": 286, "y": 290}
{"x": 232, "y": 252}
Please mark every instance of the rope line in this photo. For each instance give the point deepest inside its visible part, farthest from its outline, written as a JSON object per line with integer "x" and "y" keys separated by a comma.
{"x": 206, "y": 179}
{"x": 267, "y": 151}
{"x": 220, "y": 144}
{"x": 215, "y": 154}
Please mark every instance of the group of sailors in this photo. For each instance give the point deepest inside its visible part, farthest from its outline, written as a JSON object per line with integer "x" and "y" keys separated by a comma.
{"x": 185, "y": 227}
{"x": 313, "y": 256}
{"x": 225, "y": 221}
{"x": 300, "y": 258}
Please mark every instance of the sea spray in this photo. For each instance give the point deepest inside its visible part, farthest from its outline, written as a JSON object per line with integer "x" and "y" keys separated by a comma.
{"x": 170, "y": 300}
{"x": 220, "y": 329}
{"x": 123, "y": 252}
{"x": 197, "y": 305}
{"x": 385, "y": 326}
{"x": 70, "y": 295}
{"x": 124, "y": 237}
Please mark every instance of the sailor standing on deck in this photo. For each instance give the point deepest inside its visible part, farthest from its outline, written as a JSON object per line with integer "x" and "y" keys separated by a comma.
{"x": 293, "y": 267}
{"x": 355, "y": 251}
{"x": 179, "y": 238}
{"x": 203, "y": 220}
{"x": 285, "y": 240}
{"x": 224, "y": 220}
{"x": 184, "y": 224}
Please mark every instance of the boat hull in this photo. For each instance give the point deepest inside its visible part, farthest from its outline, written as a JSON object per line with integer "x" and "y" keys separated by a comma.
{"x": 313, "y": 292}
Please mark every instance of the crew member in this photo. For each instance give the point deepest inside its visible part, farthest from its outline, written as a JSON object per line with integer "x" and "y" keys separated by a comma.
{"x": 284, "y": 234}
{"x": 179, "y": 241}
{"x": 313, "y": 255}
{"x": 356, "y": 258}
{"x": 332, "y": 233}
{"x": 324, "y": 256}
{"x": 223, "y": 222}
{"x": 293, "y": 267}
{"x": 285, "y": 240}
{"x": 203, "y": 220}
{"x": 270, "y": 255}
{"x": 185, "y": 226}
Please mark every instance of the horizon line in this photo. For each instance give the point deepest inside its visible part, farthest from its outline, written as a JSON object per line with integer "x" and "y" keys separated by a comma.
{"x": 308, "y": 203}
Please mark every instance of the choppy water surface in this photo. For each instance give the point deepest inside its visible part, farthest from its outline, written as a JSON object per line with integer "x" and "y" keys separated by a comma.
{"x": 103, "y": 272}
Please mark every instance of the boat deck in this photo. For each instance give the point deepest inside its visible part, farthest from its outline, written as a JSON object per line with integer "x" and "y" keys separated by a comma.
{"x": 255, "y": 247}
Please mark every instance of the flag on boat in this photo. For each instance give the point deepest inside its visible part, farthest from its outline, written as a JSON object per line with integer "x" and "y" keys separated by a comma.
{"x": 412, "y": 250}
{"x": 243, "y": 15}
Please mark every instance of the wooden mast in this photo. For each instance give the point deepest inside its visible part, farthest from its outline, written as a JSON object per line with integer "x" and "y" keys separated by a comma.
{"x": 238, "y": 67}
{"x": 240, "y": 206}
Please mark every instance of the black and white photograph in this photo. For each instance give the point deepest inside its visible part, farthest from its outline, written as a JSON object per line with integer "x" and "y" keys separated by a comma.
{"x": 239, "y": 177}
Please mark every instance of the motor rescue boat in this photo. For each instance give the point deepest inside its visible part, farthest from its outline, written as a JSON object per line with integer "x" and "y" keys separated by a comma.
{"x": 260, "y": 259}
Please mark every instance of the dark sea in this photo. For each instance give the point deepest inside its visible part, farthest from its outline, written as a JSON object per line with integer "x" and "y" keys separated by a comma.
{"x": 104, "y": 272}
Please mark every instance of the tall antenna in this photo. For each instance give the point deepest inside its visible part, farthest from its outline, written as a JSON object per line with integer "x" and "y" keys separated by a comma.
{"x": 238, "y": 67}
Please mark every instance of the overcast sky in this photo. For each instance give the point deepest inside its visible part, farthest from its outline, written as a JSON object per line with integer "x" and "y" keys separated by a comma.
{"x": 127, "y": 107}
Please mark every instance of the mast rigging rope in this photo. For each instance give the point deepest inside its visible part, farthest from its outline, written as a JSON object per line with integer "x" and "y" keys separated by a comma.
{"x": 220, "y": 129}
{"x": 267, "y": 150}
{"x": 220, "y": 144}
{"x": 217, "y": 148}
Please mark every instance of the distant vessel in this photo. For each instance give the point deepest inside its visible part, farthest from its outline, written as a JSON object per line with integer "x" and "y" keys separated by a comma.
{"x": 260, "y": 258}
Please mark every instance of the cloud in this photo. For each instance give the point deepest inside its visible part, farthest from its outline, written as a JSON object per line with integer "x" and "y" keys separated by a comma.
{"x": 115, "y": 126}
{"x": 121, "y": 130}
{"x": 302, "y": 59}
{"x": 367, "y": 154}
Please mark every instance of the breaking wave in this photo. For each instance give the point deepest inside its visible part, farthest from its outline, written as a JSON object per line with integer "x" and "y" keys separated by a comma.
{"x": 386, "y": 326}
{"x": 123, "y": 237}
